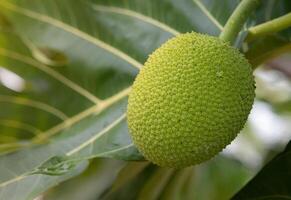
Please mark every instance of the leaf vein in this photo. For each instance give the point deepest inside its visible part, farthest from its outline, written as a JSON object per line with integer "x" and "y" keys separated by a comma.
{"x": 74, "y": 31}
{"x": 96, "y": 136}
{"x": 208, "y": 14}
{"x": 51, "y": 72}
{"x": 20, "y": 125}
{"x": 139, "y": 16}
{"x": 78, "y": 117}
{"x": 34, "y": 104}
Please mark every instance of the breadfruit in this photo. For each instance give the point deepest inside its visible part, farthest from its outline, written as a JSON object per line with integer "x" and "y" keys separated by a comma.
{"x": 190, "y": 100}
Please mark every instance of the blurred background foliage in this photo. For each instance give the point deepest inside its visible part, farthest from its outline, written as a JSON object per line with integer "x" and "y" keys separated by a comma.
{"x": 65, "y": 72}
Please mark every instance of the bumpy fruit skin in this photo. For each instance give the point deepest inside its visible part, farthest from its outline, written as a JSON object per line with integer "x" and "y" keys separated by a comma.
{"x": 190, "y": 100}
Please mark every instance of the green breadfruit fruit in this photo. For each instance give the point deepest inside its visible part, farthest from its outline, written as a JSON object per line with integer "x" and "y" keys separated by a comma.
{"x": 190, "y": 100}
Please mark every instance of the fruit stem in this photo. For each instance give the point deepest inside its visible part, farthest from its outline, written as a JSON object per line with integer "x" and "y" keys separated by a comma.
{"x": 269, "y": 27}
{"x": 237, "y": 20}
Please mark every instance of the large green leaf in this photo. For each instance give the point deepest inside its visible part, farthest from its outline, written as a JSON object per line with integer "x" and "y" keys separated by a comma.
{"x": 78, "y": 60}
{"x": 99, "y": 63}
{"x": 217, "y": 179}
{"x": 266, "y": 48}
{"x": 80, "y": 139}
{"x": 272, "y": 182}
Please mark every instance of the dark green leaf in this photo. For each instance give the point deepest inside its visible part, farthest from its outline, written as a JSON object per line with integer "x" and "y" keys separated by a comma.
{"x": 266, "y": 48}
{"x": 273, "y": 182}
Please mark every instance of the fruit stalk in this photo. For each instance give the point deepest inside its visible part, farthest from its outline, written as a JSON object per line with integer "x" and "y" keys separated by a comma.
{"x": 237, "y": 20}
{"x": 269, "y": 27}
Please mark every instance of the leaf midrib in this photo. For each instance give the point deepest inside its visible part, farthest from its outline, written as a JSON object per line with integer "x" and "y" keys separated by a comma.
{"x": 99, "y": 108}
{"x": 27, "y": 60}
{"x": 34, "y": 104}
{"x": 131, "y": 13}
{"x": 208, "y": 14}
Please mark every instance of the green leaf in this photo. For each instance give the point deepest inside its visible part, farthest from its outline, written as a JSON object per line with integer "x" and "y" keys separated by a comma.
{"x": 76, "y": 70}
{"x": 86, "y": 115}
{"x": 175, "y": 188}
{"x": 271, "y": 9}
{"x": 270, "y": 46}
{"x": 265, "y": 48}
{"x": 272, "y": 182}
{"x": 78, "y": 61}
{"x": 80, "y": 140}
{"x": 127, "y": 174}
{"x": 217, "y": 179}
{"x": 36, "y": 183}
{"x": 91, "y": 184}
{"x": 130, "y": 181}
{"x": 84, "y": 126}
{"x": 155, "y": 185}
